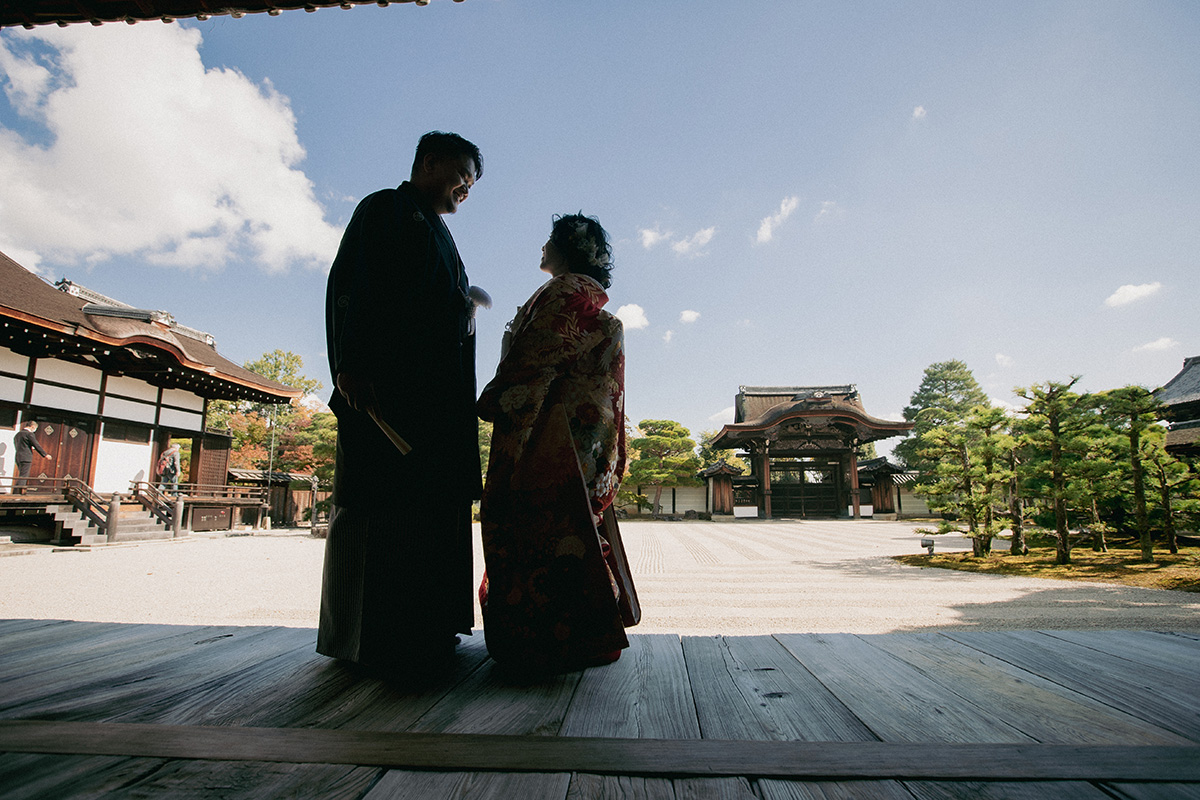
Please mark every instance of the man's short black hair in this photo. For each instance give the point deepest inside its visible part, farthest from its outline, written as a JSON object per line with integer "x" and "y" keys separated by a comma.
{"x": 446, "y": 145}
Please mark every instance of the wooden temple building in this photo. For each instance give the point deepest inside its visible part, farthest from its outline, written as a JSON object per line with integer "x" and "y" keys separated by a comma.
{"x": 1180, "y": 398}
{"x": 110, "y": 386}
{"x": 801, "y": 443}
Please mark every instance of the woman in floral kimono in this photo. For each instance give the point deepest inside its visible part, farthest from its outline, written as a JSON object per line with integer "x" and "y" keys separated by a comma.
{"x": 557, "y": 594}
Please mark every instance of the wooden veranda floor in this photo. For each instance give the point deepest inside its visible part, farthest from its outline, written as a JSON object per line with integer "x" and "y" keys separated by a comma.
{"x": 122, "y": 710}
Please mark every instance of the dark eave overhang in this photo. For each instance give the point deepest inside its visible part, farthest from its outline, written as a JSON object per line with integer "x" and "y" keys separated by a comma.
{"x": 151, "y": 359}
{"x": 31, "y": 13}
{"x": 844, "y": 423}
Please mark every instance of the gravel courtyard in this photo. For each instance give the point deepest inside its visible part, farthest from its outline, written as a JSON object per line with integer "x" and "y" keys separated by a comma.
{"x": 693, "y": 578}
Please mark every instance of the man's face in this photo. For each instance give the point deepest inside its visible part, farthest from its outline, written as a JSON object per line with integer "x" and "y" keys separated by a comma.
{"x": 450, "y": 181}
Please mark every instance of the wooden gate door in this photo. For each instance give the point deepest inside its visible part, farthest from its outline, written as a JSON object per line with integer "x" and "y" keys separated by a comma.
{"x": 70, "y": 443}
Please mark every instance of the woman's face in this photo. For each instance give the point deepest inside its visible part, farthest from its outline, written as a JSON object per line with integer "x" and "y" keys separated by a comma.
{"x": 552, "y": 260}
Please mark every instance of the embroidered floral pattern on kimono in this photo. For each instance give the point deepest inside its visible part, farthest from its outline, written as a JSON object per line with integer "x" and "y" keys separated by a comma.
{"x": 565, "y": 349}
{"x": 558, "y": 454}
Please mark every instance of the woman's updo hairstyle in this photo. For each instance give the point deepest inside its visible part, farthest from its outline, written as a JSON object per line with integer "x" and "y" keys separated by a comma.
{"x": 584, "y": 246}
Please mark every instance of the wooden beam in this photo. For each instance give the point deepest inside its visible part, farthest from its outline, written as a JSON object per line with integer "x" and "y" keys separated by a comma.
{"x": 609, "y": 756}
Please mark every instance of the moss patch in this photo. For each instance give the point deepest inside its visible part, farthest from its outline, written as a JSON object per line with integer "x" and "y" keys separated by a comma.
{"x": 1119, "y": 565}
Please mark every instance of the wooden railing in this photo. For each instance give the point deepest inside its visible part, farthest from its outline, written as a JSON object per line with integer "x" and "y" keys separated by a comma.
{"x": 44, "y": 491}
{"x": 153, "y": 499}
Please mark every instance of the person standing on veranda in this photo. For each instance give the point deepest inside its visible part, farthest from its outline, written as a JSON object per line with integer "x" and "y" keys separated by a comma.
{"x": 397, "y": 582}
{"x": 25, "y": 443}
{"x": 558, "y": 594}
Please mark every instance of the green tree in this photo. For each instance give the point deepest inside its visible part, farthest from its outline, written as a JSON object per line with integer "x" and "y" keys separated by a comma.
{"x": 1173, "y": 481}
{"x": 710, "y": 455}
{"x": 1132, "y": 410}
{"x": 1057, "y": 416}
{"x": 666, "y": 457}
{"x": 969, "y": 473}
{"x": 303, "y": 439}
{"x": 948, "y": 392}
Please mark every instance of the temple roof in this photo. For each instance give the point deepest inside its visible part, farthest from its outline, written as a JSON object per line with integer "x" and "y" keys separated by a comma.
{"x": 76, "y": 324}
{"x": 804, "y": 418}
{"x": 30, "y": 13}
{"x": 720, "y": 468}
{"x": 1181, "y": 394}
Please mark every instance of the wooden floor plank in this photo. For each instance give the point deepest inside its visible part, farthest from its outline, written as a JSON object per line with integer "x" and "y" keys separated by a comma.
{"x": 250, "y": 780}
{"x": 488, "y": 701}
{"x": 314, "y": 691}
{"x": 1156, "y": 791}
{"x": 643, "y": 757}
{"x": 645, "y": 694}
{"x": 1169, "y": 654}
{"x": 586, "y": 786}
{"x": 896, "y": 701}
{"x": 409, "y": 785}
{"x": 769, "y": 789}
{"x": 1005, "y": 790}
{"x": 32, "y": 776}
{"x": 70, "y": 644}
{"x": 1133, "y": 688}
{"x": 134, "y": 677}
{"x": 221, "y": 699}
{"x": 1046, "y": 711}
{"x": 713, "y": 789}
{"x": 751, "y": 688}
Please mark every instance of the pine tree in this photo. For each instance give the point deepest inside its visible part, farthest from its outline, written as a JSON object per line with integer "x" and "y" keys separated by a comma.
{"x": 948, "y": 392}
{"x": 1057, "y": 416}
{"x": 666, "y": 457}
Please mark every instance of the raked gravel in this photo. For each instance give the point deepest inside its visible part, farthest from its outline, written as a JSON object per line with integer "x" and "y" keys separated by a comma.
{"x": 694, "y": 578}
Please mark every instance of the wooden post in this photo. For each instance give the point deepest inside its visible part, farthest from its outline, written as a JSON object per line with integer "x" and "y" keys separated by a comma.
{"x": 114, "y": 515}
{"x": 177, "y": 517}
{"x": 766, "y": 480}
{"x": 854, "y": 492}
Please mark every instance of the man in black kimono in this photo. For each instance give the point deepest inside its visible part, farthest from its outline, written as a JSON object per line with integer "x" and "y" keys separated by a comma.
{"x": 25, "y": 442}
{"x": 398, "y": 583}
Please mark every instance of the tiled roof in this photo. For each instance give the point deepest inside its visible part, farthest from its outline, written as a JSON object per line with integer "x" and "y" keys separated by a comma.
{"x": 30, "y": 13}
{"x": 1184, "y": 387}
{"x": 40, "y": 320}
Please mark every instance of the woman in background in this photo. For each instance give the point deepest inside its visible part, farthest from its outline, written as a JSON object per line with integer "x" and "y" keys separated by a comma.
{"x": 557, "y": 594}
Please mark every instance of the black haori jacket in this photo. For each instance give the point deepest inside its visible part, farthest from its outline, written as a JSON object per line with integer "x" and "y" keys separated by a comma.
{"x": 396, "y": 310}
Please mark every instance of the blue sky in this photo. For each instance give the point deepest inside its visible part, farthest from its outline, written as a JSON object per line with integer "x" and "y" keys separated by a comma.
{"x": 799, "y": 193}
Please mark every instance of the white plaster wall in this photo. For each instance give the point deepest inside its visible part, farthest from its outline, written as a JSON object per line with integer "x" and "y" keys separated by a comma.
{"x": 12, "y": 389}
{"x": 66, "y": 399}
{"x": 118, "y": 463}
{"x": 183, "y": 399}
{"x": 129, "y": 410}
{"x": 183, "y": 420}
{"x": 131, "y": 387}
{"x": 689, "y": 498}
{"x": 8, "y": 467}
{"x": 12, "y": 361}
{"x": 53, "y": 369}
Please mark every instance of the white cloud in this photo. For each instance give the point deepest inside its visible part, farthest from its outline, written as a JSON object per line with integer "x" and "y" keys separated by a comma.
{"x": 919, "y": 112}
{"x": 766, "y": 229}
{"x": 652, "y": 237}
{"x": 153, "y": 156}
{"x": 723, "y": 417}
{"x": 1165, "y": 343}
{"x": 829, "y": 210}
{"x": 632, "y": 316}
{"x": 1004, "y": 404}
{"x": 1004, "y": 361}
{"x": 692, "y": 244}
{"x": 1130, "y": 293}
{"x": 689, "y": 316}
{"x": 668, "y": 336}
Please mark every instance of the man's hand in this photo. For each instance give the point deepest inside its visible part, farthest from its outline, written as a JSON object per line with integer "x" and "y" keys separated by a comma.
{"x": 359, "y": 393}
